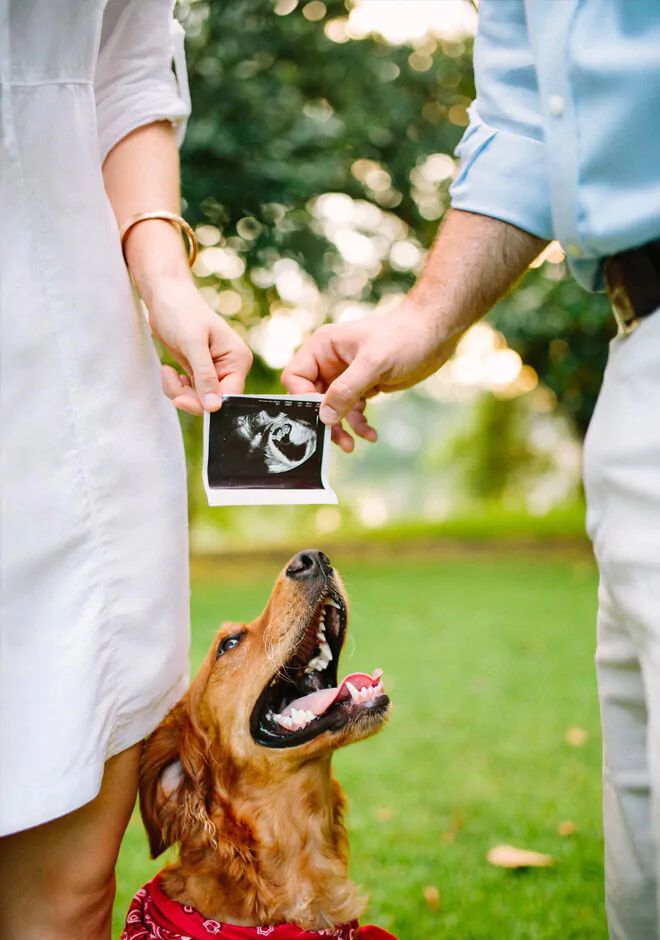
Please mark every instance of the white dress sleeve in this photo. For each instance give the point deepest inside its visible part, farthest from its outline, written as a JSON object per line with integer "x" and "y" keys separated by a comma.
{"x": 135, "y": 83}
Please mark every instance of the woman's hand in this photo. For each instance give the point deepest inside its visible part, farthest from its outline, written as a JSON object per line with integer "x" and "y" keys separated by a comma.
{"x": 214, "y": 358}
{"x": 141, "y": 173}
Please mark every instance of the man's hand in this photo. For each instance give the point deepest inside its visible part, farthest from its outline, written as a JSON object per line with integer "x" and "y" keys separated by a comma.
{"x": 351, "y": 362}
{"x": 474, "y": 260}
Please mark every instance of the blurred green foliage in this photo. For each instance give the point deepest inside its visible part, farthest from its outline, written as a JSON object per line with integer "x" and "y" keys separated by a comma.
{"x": 281, "y": 114}
{"x": 494, "y": 453}
{"x": 562, "y": 332}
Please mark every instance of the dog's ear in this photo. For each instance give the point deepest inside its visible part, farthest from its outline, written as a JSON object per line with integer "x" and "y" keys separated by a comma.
{"x": 174, "y": 782}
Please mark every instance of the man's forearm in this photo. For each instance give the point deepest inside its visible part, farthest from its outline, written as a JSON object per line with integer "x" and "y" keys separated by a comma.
{"x": 474, "y": 260}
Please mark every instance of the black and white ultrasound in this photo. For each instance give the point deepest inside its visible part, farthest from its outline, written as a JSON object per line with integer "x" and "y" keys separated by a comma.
{"x": 260, "y": 445}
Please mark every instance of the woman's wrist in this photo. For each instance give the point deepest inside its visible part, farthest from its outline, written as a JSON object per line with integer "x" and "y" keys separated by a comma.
{"x": 157, "y": 258}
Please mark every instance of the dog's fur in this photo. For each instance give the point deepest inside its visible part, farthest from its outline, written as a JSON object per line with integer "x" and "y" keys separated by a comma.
{"x": 261, "y": 834}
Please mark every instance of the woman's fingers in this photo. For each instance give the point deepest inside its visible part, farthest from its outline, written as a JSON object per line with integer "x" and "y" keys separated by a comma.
{"x": 190, "y": 404}
{"x": 233, "y": 372}
{"x": 171, "y": 381}
{"x": 204, "y": 374}
{"x": 218, "y": 362}
{"x": 176, "y": 386}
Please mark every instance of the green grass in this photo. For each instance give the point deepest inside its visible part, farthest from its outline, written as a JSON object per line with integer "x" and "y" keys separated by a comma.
{"x": 489, "y": 662}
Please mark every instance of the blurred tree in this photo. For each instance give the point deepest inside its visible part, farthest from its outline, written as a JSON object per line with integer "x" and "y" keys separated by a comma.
{"x": 282, "y": 112}
{"x": 288, "y": 108}
{"x": 562, "y": 332}
{"x": 493, "y": 455}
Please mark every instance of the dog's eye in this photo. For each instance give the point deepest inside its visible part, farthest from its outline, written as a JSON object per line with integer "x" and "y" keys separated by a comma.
{"x": 228, "y": 643}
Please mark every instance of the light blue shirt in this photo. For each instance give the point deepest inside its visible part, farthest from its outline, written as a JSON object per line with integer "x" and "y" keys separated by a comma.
{"x": 564, "y": 135}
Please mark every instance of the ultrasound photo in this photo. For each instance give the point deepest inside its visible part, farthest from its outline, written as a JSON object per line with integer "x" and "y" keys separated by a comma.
{"x": 265, "y": 449}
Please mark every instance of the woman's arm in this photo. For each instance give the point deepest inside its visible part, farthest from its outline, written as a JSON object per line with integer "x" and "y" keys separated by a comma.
{"x": 141, "y": 174}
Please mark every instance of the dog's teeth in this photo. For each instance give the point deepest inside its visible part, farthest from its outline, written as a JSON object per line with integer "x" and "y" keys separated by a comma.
{"x": 317, "y": 664}
{"x": 331, "y": 602}
{"x": 300, "y": 719}
{"x": 354, "y": 692}
{"x": 379, "y": 687}
{"x": 326, "y": 652}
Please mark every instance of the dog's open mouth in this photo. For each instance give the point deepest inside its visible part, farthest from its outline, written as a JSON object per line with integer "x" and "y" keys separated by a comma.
{"x": 305, "y": 699}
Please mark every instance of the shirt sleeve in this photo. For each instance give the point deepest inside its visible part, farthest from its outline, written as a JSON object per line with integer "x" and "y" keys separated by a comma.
{"x": 135, "y": 83}
{"x": 504, "y": 168}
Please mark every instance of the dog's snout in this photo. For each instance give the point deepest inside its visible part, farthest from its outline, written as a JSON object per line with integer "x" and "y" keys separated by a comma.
{"x": 309, "y": 564}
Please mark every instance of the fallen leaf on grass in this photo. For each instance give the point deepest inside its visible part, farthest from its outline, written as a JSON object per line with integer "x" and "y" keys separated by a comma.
{"x": 432, "y": 897}
{"x": 456, "y": 824}
{"x": 576, "y": 737}
{"x": 507, "y": 856}
{"x": 566, "y": 828}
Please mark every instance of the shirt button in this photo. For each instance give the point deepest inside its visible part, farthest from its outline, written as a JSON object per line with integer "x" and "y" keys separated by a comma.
{"x": 574, "y": 250}
{"x": 556, "y": 105}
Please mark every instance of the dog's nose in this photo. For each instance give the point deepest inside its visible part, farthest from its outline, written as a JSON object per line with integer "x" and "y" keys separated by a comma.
{"x": 309, "y": 564}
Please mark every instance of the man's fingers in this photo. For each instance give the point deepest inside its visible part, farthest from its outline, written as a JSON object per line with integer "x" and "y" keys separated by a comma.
{"x": 346, "y": 390}
{"x": 297, "y": 384}
{"x": 342, "y": 438}
{"x": 301, "y": 375}
{"x": 361, "y": 426}
{"x": 205, "y": 378}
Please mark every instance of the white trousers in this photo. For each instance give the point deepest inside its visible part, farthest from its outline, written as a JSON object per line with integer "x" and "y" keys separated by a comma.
{"x": 622, "y": 482}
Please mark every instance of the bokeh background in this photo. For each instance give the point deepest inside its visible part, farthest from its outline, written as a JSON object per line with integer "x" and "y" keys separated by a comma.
{"x": 316, "y": 170}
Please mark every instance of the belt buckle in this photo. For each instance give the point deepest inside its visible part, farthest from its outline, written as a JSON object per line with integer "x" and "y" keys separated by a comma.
{"x": 624, "y": 313}
{"x": 626, "y": 323}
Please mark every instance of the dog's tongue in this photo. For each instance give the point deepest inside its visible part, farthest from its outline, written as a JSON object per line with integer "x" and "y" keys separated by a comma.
{"x": 319, "y": 702}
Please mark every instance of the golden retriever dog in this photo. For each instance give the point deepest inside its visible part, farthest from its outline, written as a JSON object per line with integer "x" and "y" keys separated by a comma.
{"x": 239, "y": 774}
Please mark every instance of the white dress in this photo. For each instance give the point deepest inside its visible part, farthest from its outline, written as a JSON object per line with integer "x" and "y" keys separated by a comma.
{"x": 94, "y": 608}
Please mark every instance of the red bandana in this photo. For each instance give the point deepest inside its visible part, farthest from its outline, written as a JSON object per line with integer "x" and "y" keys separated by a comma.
{"x": 153, "y": 915}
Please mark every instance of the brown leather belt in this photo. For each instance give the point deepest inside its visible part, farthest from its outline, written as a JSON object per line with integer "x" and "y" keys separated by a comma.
{"x": 633, "y": 284}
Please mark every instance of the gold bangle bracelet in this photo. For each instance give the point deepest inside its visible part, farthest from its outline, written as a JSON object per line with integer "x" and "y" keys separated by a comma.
{"x": 176, "y": 220}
